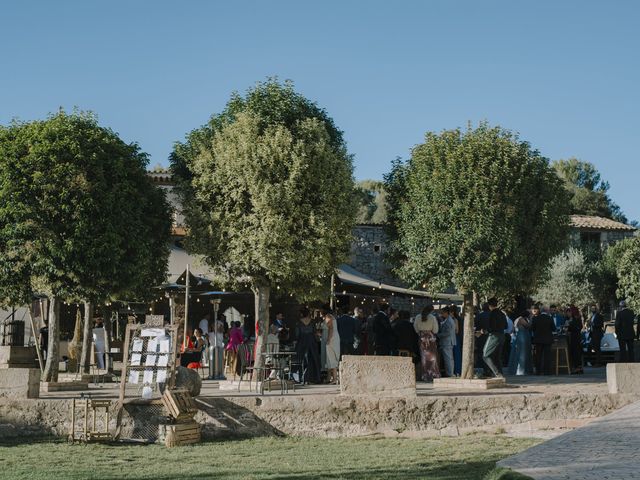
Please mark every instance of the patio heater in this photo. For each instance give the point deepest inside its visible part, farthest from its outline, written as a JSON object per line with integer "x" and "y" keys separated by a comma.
{"x": 213, "y": 357}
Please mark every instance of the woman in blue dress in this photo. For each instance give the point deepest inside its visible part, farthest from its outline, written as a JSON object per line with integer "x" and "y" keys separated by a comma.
{"x": 520, "y": 359}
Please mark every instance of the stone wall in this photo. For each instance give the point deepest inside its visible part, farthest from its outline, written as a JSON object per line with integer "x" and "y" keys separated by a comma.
{"x": 368, "y": 249}
{"x": 344, "y": 416}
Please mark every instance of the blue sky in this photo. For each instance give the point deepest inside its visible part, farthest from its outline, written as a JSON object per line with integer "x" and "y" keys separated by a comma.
{"x": 564, "y": 74}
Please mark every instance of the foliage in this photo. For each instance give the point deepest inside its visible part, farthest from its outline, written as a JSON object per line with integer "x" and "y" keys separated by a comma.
{"x": 479, "y": 210}
{"x": 589, "y": 193}
{"x": 628, "y": 270}
{"x": 470, "y": 457}
{"x": 373, "y": 202}
{"x": 78, "y": 216}
{"x": 568, "y": 280}
{"x": 269, "y": 191}
{"x": 604, "y": 275}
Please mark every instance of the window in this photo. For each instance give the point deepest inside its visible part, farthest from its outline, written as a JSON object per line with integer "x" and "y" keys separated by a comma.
{"x": 377, "y": 248}
{"x": 590, "y": 238}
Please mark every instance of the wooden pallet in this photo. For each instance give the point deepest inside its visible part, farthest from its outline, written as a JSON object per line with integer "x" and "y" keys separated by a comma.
{"x": 179, "y": 434}
{"x": 180, "y": 405}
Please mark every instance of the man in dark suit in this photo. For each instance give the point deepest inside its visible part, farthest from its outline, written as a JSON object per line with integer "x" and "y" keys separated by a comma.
{"x": 625, "y": 333}
{"x": 406, "y": 336}
{"x": 596, "y": 332}
{"x": 383, "y": 332}
{"x": 542, "y": 327}
{"x": 348, "y": 331}
{"x": 491, "y": 353}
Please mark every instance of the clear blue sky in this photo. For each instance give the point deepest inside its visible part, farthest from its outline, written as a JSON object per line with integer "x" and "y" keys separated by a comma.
{"x": 564, "y": 74}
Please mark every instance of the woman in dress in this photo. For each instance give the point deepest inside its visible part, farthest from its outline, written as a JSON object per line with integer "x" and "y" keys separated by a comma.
{"x": 333, "y": 344}
{"x": 235, "y": 339}
{"x": 575, "y": 340}
{"x": 520, "y": 358}
{"x": 307, "y": 348}
{"x": 426, "y": 326}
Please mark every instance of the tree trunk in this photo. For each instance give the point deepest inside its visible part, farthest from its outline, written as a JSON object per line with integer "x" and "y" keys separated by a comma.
{"x": 85, "y": 361}
{"x": 34, "y": 332}
{"x": 468, "y": 338}
{"x": 53, "y": 347}
{"x": 262, "y": 292}
{"x": 107, "y": 336}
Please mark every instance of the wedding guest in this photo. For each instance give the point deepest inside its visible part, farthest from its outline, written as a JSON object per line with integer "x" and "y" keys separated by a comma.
{"x": 426, "y": 326}
{"x": 520, "y": 359}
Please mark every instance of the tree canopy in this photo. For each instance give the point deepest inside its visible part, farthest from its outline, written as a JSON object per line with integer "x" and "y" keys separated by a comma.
{"x": 79, "y": 218}
{"x": 589, "y": 192}
{"x": 269, "y": 190}
{"x": 479, "y": 210}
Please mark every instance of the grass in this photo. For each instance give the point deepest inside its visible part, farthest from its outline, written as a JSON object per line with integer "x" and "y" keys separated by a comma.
{"x": 469, "y": 457}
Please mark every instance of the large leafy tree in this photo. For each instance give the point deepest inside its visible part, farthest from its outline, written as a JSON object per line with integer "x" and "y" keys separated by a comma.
{"x": 268, "y": 192}
{"x": 478, "y": 210}
{"x": 79, "y": 218}
{"x": 628, "y": 270}
{"x": 589, "y": 192}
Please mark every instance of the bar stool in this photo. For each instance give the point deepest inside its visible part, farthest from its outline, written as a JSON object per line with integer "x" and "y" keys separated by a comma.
{"x": 560, "y": 345}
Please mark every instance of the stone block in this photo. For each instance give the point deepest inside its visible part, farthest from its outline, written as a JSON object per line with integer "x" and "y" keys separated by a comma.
{"x": 623, "y": 377}
{"x": 379, "y": 376}
{"x": 189, "y": 379}
{"x": 20, "y": 383}
{"x": 18, "y": 357}
{"x": 469, "y": 384}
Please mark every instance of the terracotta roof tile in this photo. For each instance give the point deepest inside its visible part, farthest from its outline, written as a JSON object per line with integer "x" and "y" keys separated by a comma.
{"x": 599, "y": 223}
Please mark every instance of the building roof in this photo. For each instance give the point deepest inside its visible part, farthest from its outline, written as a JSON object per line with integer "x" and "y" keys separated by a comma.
{"x": 353, "y": 281}
{"x": 587, "y": 222}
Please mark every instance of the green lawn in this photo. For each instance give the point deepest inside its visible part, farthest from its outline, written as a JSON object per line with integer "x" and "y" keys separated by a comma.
{"x": 469, "y": 457}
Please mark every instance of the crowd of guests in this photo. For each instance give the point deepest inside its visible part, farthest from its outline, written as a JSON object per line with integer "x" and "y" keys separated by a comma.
{"x": 505, "y": 342}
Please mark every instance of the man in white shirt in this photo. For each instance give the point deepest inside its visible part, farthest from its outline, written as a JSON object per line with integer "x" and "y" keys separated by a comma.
{"x": 216, "y": 351}
{"x": 204, "y": 325}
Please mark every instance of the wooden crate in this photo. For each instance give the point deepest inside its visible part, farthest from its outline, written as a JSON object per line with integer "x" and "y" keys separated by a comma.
{"x": 179, "y": 404}
{"x": 179, "y": 434}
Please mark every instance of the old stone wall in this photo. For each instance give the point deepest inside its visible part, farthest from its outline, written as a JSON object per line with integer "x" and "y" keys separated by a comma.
{"x": 344, "y": 416}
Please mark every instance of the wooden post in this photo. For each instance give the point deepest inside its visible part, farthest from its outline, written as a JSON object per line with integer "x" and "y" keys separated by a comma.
{"x": 33, "y": 330}
{"x": 86, "y": 418}
{"x": 172, "y": 309}
{"x": 186, "y": 307}
{"x": 332, "y": 299}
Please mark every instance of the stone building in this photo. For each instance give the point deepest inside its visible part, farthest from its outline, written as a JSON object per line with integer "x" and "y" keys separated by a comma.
{"x": 589, "y": 230}
{"x": 368, "y": 251}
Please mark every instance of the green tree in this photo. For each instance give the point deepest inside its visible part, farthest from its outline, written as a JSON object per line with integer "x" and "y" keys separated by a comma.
{"x": 603, "y": 264}
{"x": 78, "y": 215}
{"x": 478, "y": 210}
{"x": 628, "y": 270}
{"x": 268, "y": 186}
{"x": 372, "y": 199}
{"x": 589, "y": 192}
{"x": 568, "y": 280}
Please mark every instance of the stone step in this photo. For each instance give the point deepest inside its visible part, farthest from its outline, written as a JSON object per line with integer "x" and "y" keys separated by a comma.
{"x": 71, "y": 386}
{"x": 469, "y": 384}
